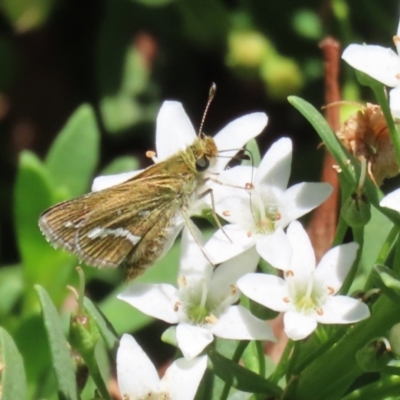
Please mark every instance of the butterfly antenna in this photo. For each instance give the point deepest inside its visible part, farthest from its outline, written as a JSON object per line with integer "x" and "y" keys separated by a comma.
{"x": 211, "y": 94}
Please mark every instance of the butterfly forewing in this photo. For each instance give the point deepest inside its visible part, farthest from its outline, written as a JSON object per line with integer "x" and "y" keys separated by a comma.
{"x": 107, "y": 228}
{"x": 135, "y": 222}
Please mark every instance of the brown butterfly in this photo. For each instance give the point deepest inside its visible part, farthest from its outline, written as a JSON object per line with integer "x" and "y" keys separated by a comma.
{"x": 135, "y": 222}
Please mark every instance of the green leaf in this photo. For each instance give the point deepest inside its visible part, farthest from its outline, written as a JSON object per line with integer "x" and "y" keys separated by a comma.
{"x": 13, "y": 379}
{"x": 327, "y": 135}
{"x": 123, "y": 109}
{"x": 254, "y": 150}
{"x": 32, "y": 183}
{"x": 61, "y": 357}
{"x": 261, "y": 311}
{"x": 125, "y": 318}
{"x": 121, "y": 164}
{"x": 11, "y": 287}
{"x": 169, "y": 336}
{"x": 42, "y": 264}
{"x": 241, "y": 378}
{"x": 375, "y": 236}
{"x": 74, "y": 154}
{"x": 204, "y": 22}
{"x": 390, "y": 282}
{"x": 27, "y": 15}
{"x": 307, "y": 23}
{"x": 105, "y": 328}
{"x": 38, "y": 365}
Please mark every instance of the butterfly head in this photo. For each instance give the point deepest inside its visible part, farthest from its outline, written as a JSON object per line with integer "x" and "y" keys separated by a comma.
{"x": 205, "y": 153}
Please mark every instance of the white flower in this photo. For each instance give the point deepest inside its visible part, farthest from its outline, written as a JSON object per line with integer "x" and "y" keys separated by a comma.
{"x": 175, "y": 132}
{"x": 392, "y": 200}
{"x": 202, "y": 303}
{"x": 257, "y": 216}
{"x": 381, "y": 63}
{"x": 307, "y": 294}
{"x": 138, "y": 378}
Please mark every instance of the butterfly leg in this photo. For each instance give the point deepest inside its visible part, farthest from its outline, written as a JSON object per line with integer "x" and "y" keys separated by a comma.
{"x": 192, "y": 229}
{"x": 214, "y": 214}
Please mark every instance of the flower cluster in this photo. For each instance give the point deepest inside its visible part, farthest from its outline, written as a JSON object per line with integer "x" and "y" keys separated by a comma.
{"x": 258, "y": 206}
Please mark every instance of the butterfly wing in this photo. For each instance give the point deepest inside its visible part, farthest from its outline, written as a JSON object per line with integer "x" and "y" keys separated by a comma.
{"x": 128, "y": 224}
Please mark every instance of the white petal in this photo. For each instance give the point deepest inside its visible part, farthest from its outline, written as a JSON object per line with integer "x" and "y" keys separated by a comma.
{"x": 274, "y": 169}
{"x": 342, "y": 310}
{"x": 301, "y": 199}
{"x": 236, "y": 210}
{"x": 232, "y": 182}
{"x": 276, "y": 249}
{"x": 174, "y": 131}
{"x": 220, "y": 249}
{"x": 268, "y": 290}
{"x": 183, "y": 377}
{"x": 156, "y": 300}
{"x": 392, "y": 200}
{"x": 137, "y": 376}
{"x": 335, "y": 265}
{"x": 239, "y": 323}
{"x": 227, "y": 274}
{"x": 106, "y": 181}
{"x": 192, "y": 258}
{"x": 298, "y": 326}
{"x": 303, "y": 259}
{"x": 382, "y": 64}
{"x": 394, "y": 100}
{"x": 236, "y": 134}
{"x": 232, "y": 200}
{"x": 192, "y": 340}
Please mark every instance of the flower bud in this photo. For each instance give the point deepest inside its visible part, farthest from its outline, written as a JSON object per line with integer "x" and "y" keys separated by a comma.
{"x": 356, "y": 211}
{"x": 83, "y": 334}
{"x": 374, "y": 356}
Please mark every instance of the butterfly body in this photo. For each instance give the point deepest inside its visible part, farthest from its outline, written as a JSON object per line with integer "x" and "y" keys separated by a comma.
{"x": 134, "y": 223}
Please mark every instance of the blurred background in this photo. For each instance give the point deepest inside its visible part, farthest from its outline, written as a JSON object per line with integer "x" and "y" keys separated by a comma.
{"x": 124, "y": 58}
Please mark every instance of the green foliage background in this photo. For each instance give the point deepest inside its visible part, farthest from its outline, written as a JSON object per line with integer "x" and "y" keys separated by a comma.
{"x": 80, "y": 86}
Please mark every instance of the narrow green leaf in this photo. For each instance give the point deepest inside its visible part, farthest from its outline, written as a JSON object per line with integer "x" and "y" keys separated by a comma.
{"x": 390, "y": 282}
{"x": 74, "y": 154}
{"x": 105, "y": 328}
{"x": 12, "y": 372}
{"x": 327, "y": 135}
{"x": 62, "y": 361}
{"x": 375, "y": 235}
{"x": 241, "y": 378}
{"x": 386, "y": 387}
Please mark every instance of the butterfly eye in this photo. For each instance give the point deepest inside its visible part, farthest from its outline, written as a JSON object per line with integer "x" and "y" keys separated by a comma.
{"x": 202, "y": 164}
